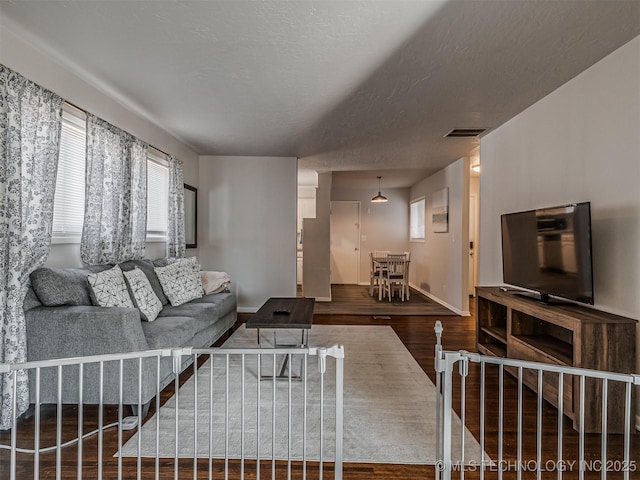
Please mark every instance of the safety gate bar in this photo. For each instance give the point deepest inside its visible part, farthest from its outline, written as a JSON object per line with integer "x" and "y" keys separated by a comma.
{"x": 245, "y": 400}
{"x": 595, "y": 457}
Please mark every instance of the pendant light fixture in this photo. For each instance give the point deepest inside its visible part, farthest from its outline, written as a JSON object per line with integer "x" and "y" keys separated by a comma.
{"x": 379, "y": 198}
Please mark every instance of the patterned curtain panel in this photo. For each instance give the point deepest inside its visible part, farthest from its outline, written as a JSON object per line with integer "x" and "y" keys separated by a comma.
{"x": 30, "y": 125}
{"x": 115, "y": 217}
{"x": 176, "y": 244}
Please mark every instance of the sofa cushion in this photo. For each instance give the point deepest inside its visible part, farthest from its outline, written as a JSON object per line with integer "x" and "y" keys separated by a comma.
{"x": 226, "y": 302}
{"x": 147, "y": 267}
{"x": 63, "y": 286}
{"x": 180, "y": 282}
{"x": 167, "y": 332}
{"x": 142, "y": 294}
{"x": 203, "y": 314}
{"x": 108, "y": 289}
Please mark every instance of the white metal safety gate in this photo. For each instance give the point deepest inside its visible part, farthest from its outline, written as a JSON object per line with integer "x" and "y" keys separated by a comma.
{"x": 516, "y": 434}
{"x": 230, "y": 414}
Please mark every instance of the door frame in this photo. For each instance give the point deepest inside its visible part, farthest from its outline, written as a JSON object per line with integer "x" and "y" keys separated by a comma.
{"x": 473, "y": 277}
{"x": 359, "y": 224}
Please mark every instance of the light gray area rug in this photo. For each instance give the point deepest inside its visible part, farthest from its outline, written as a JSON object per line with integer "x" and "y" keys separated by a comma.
{"x": 389, "y": 405}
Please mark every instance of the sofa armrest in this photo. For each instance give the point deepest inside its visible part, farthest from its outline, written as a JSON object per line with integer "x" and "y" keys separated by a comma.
{"x": 66, "y": 331}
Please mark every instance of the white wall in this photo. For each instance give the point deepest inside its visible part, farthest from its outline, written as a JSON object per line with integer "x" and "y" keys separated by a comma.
{"x": 247, "y": 224}
{"x": 580, "y": 143}
{"x": 383, "y": 226}
{"x": 316, "y": 265}
{"x": 440, "y": 265}
{"x": 19, "y": 55}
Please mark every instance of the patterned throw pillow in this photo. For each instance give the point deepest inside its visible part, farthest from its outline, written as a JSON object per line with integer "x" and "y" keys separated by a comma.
{"x": 180, "y": 281}
{"x": 108, "y": 288}
{"x": 143, "y": 295}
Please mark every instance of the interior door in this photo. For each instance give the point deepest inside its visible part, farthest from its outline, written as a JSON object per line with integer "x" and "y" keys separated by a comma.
{"x": 345, "y": 242}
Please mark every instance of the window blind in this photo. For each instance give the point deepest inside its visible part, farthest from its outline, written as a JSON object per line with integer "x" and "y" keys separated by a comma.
{"x": 157, "y": 195}
{"x": 68, "y": 207}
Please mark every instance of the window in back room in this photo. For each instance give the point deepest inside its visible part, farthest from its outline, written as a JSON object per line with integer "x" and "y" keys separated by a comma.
{"x": 417, "y": 220}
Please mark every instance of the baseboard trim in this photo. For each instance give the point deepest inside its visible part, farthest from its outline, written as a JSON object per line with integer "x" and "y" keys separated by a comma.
{"x": 323, "y": 299}
{"x": 431, "y": 296}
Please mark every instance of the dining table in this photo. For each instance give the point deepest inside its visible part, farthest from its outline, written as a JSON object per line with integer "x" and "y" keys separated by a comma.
{"x": 384, "y": 263}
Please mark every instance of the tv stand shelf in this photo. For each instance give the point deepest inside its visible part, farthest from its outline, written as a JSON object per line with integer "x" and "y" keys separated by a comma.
{"x": 498, "y": 333}
{"x": 513, "y": 326}
{"x": 549, "y": 346}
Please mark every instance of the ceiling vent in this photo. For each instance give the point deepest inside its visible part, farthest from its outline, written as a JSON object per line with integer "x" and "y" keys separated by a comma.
{"x": 466, "y": 132}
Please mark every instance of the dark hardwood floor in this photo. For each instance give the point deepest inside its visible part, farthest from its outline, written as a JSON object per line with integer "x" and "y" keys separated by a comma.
{"x": 416, "y": 332}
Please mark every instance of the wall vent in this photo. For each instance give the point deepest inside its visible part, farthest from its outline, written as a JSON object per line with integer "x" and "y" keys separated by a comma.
{"x": 466, "y": 132}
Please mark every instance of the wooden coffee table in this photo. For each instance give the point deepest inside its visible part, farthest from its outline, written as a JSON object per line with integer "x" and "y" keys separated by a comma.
{"x": 289, "y": 313}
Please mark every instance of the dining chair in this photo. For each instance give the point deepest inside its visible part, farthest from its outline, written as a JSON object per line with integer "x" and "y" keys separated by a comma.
{"x": 381, "y": 253}
{"x": 375, "y": 275}
{"x": 396, "y": 275}
{"x": 408, "y": 258}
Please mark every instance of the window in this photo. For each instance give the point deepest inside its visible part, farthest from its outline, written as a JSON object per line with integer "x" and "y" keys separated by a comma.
{"x": 416, "y": 220}
{"x": 68, "y": 204}
{"x": 157, "y": 197}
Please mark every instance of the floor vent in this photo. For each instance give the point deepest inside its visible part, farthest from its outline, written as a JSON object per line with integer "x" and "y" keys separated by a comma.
{"x": 381, "y": 317}
{"x": 466, "y": 132}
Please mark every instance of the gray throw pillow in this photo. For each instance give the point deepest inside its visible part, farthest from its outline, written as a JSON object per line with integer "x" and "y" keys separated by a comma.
{"x": 30, "y": 300}
{"x": 142, "y": 294}
{"x": 109, "y": 289}
{"x": 63, "y": 286}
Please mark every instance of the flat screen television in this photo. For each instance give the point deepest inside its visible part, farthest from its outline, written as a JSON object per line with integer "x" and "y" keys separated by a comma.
{"x": 548, "y": 251}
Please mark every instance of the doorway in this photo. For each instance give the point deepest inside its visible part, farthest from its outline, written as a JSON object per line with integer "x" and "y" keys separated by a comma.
{"x": 345, "y": 242}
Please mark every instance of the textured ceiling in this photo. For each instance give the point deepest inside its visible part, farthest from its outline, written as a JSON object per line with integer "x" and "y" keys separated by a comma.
{"x": 345, "y": 85}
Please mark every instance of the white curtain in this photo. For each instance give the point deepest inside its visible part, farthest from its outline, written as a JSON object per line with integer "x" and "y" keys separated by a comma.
{"x": 176, "y": 244}
{"x": 30, "y": 125}
{"x": 115, "y": 218}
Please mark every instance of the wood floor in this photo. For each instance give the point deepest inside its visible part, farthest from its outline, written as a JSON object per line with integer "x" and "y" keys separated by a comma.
{"x": 416, "y": 332}
{"x": 355, "y": 300}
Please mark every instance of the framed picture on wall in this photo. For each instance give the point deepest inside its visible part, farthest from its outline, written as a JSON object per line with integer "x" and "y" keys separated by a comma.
{"x": 440, "y": 210}
{"x": 191, "y": 216}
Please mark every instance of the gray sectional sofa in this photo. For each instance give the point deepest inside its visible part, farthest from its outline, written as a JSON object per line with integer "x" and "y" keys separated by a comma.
{"x": 62, "y": 322}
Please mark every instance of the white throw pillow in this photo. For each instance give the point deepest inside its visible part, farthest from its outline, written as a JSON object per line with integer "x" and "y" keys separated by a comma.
{"x": 143, "y": 295}
{"x": 180, "y": 281}
{"x": 108, "y": 288}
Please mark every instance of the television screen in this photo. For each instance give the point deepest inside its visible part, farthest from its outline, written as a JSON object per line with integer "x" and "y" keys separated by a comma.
{"x": 549, "y": 251}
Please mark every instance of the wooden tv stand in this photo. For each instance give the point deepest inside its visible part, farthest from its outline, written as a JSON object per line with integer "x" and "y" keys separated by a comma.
{"x": 508, "y": 325}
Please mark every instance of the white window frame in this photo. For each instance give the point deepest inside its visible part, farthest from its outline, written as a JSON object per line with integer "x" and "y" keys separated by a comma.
{"x": 74, "y": 118}
{"x": 424, "y": 220}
